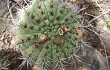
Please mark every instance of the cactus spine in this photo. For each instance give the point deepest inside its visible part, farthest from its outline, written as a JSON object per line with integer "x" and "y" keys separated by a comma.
{"x": 46, "y": 34}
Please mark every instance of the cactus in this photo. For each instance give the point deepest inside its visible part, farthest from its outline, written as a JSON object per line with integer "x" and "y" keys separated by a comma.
{"x": 3, "y": 62}
{"x": 46, "y": 33}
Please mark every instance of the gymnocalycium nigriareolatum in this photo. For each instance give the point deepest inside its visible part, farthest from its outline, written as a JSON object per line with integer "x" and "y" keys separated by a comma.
{"x": 46, "y": 33}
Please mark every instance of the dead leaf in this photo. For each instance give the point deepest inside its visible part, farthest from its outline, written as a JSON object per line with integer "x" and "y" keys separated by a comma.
{"x": 78, "y": 31}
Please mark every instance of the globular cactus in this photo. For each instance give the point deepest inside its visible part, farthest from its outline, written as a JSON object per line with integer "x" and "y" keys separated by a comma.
{"x": 46, "y": 33}
{"x": 3, "y": 62}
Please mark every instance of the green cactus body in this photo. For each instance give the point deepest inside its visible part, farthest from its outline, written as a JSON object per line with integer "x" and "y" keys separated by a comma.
{"x": 46, "y": 34}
